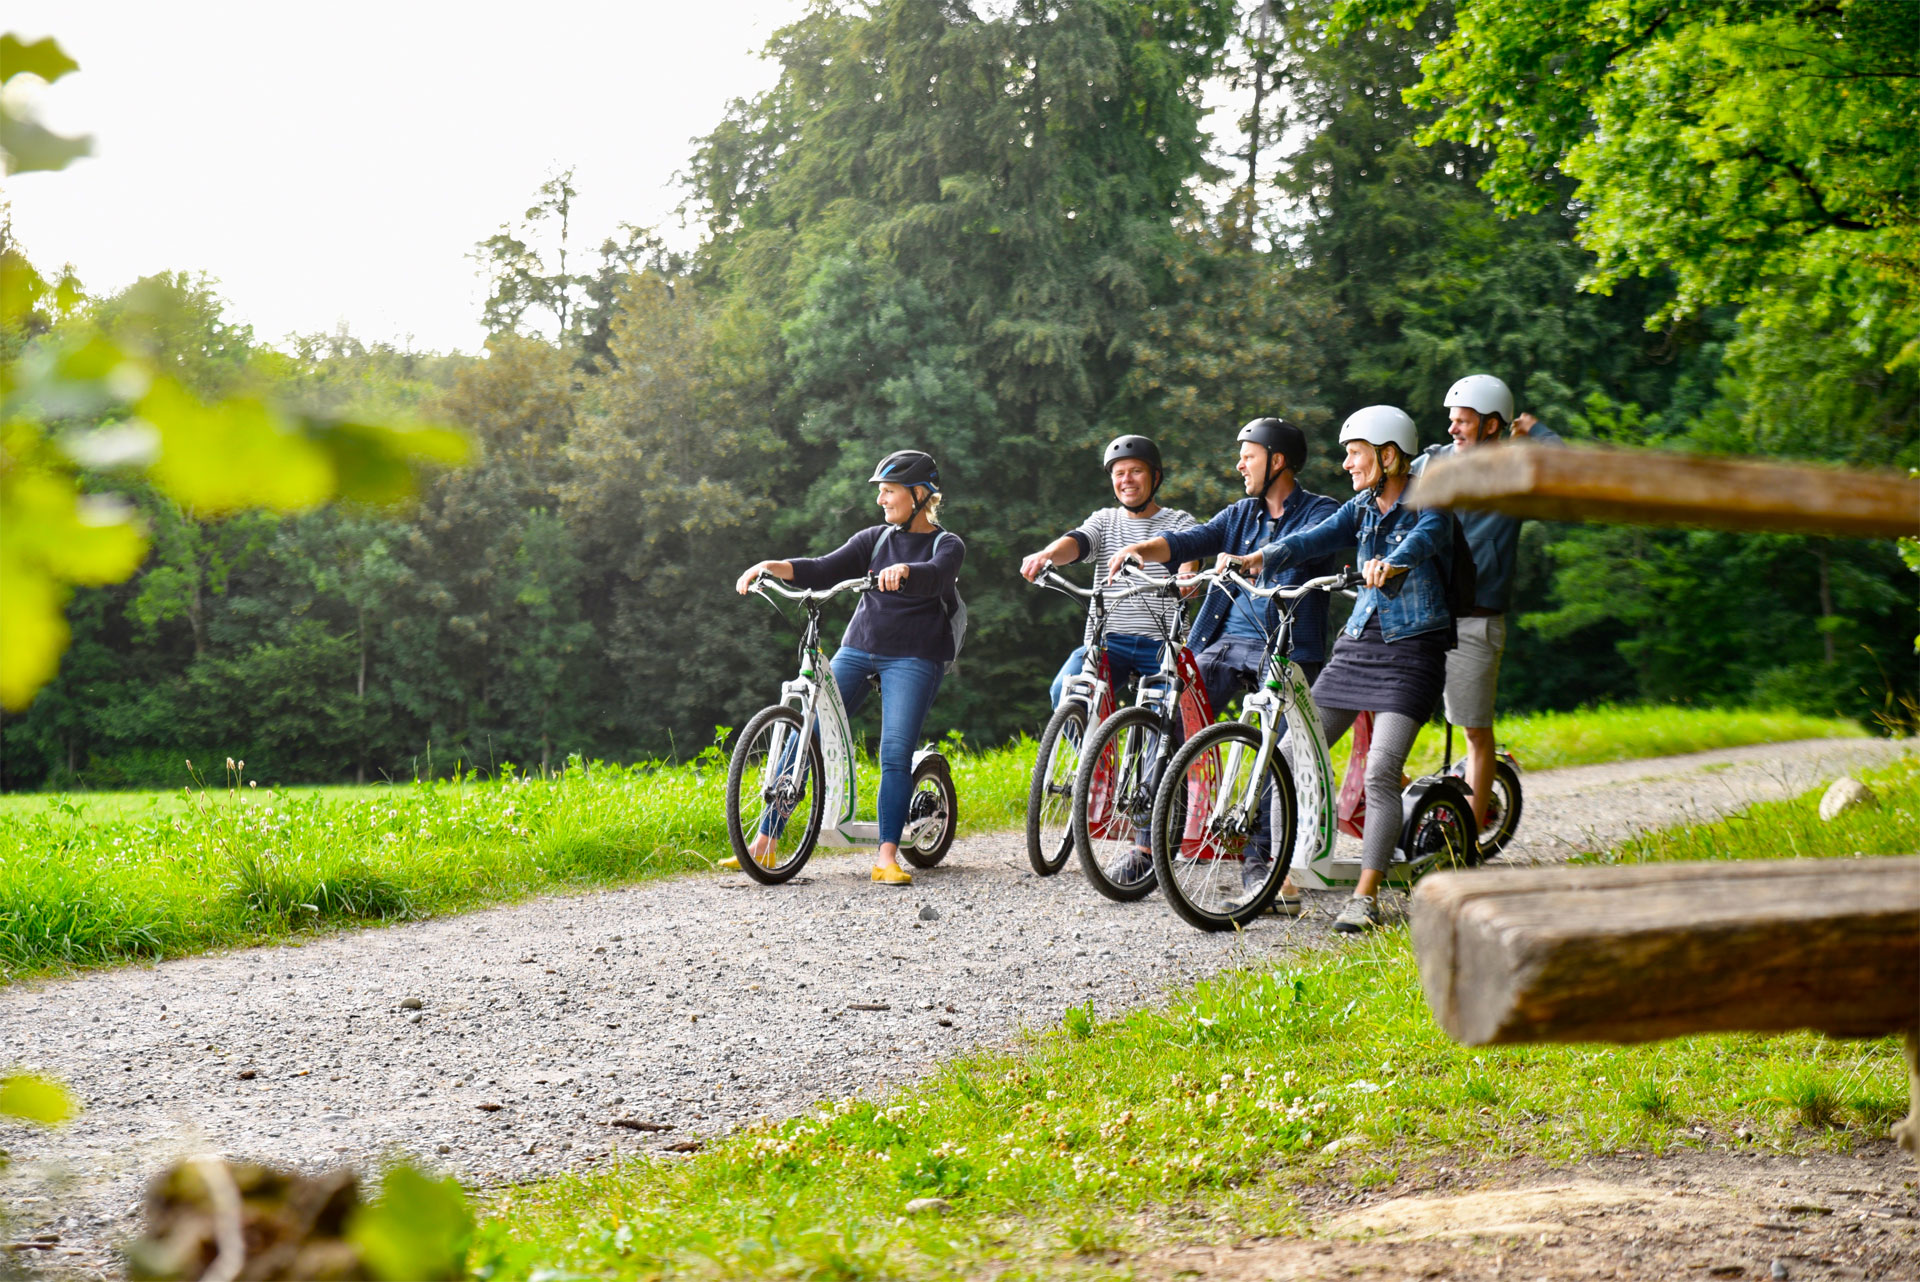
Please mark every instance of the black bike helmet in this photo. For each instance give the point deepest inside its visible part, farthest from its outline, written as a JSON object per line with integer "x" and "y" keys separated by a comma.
{"x": 1136, "y": 447}
{"x": 1139, "y": 447}
{"x": 1279, "y": 437}
{"x": 907, "y": 467}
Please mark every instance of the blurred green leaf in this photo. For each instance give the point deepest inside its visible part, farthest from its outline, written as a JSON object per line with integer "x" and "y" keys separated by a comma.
{"x": 43, "y": 58}
{"x": 51, "y": 537}
{"x": 376, "y": 463}
{"x": 419, "y": 1229}
{"x": 36, "y": 1099}
{"x": 30, "y": 146}
{"x": 233, "y": 454}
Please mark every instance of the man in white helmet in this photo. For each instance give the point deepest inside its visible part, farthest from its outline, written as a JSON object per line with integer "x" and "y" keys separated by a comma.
{"x": 1480, "y": 412}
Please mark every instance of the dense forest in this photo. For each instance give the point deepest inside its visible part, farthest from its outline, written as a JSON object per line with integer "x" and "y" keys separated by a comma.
{"x": 1005, "y": 239}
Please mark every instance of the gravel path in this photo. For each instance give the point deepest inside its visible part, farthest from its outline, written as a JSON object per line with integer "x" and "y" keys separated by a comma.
{"x": 697, "y": 1003}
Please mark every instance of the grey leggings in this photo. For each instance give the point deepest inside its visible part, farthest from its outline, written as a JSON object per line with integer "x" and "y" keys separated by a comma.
{"x": 1393, "y": 735}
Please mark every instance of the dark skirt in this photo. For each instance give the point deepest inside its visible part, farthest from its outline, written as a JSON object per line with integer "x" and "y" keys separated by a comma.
{"x": 1368, "y": 673}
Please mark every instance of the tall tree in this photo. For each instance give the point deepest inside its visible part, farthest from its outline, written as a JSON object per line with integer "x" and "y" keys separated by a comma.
{"x": 956, "y": 222}
{"x": 1729, "y": 142}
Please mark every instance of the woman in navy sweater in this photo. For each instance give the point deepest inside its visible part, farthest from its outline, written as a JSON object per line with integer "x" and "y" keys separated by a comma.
{"x": 901, "y": 633}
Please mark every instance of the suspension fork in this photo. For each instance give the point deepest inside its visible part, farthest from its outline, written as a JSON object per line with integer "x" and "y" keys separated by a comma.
{"x": 791, "y": 773}
{"x": 1260, "y": 714}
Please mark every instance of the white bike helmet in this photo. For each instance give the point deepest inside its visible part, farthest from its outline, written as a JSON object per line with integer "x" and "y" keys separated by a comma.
{"x": 1483, "y": 394}
{"x": 1382, "y": 425}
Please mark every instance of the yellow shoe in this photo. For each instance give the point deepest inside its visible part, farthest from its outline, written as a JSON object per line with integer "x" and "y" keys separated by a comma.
{"x": 730, "y": 864}
{"x": 892, "y": 877}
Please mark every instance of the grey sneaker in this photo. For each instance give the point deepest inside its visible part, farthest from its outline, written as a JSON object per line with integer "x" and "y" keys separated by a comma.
{"x": 1361, "y": 913}
{"x": 1253, "y": 874}
{"x": 1132, "y": 868}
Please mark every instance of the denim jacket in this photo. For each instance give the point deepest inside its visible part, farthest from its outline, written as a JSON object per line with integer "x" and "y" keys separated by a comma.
{"x": 1238, "y": 529}
{"x": 1410, "y": 603}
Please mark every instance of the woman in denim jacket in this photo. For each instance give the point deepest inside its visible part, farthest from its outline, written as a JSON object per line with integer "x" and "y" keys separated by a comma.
{"x": 1391, "y": 659}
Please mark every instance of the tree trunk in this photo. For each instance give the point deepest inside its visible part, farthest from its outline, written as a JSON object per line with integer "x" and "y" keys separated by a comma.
{"x": 1826, "y": 598}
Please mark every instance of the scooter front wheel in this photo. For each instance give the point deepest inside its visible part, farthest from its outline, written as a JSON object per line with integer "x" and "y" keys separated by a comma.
{"x": 1113, "y": 804}
{"x": 1050, "y": 797}
{"x": 1206, "y": 835}
{"x": 776, "y": 792}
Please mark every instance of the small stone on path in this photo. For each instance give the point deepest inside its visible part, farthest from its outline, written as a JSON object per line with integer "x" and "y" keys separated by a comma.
{"x": 411, "y": 1003}
{"x": 1847, "y": 793}
{"x": 929, "y": 913}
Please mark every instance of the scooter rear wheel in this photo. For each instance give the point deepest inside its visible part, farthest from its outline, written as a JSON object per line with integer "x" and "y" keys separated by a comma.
{"x": 1503, "y": 805}
{"x": 1440, "y": 832}
{"x": 933, "y": 813}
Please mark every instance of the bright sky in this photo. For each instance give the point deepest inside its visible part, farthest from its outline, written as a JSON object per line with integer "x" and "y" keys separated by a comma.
{"x": 338, "y": 162}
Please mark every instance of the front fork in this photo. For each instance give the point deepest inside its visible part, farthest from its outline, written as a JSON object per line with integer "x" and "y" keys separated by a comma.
{"x": 1260, "y": 708}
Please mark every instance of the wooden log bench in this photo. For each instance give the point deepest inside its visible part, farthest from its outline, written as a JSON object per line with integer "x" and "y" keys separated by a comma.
{"x": 1649, "y": 951}
{"x": 1654, "y": 487}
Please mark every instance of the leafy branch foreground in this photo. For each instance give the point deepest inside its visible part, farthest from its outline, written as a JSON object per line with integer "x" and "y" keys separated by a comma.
{"x": 1204, "y": 1118}
{"x": 97, "y": 879}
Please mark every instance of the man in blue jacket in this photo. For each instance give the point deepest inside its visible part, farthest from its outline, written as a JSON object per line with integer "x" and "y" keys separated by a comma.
{"x": 1229, "y": 636}
{"x": 1480, "y": 412}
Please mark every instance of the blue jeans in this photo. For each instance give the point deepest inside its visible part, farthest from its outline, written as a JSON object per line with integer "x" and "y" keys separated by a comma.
{"x": 907, "y": 687}
{"x": 1127, "y": 655}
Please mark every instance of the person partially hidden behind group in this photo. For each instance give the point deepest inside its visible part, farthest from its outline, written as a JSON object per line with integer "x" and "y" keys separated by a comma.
{"x": 1391, "y": 660}
{"x": 900, "y": 633}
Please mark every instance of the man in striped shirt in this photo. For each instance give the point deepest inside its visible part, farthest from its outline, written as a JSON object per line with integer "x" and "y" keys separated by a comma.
{"x": 1137, "y": 627}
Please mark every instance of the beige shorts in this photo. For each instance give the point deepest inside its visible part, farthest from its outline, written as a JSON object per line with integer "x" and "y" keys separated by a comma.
{"x": 1473, "y": 669}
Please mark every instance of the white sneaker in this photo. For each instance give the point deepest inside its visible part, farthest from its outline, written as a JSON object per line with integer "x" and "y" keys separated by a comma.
{"x": 1360, "y": 914}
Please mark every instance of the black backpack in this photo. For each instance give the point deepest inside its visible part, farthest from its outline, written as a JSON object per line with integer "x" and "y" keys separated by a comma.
{"x": 1463, "y": 576}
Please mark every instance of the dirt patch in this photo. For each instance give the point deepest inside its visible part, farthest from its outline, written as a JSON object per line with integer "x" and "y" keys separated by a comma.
{"x": 1711, "y": 1214}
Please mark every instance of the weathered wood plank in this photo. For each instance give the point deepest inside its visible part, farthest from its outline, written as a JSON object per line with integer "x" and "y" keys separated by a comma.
{"x": 1648, "y": 487}
{"x": 1630, "y": 954}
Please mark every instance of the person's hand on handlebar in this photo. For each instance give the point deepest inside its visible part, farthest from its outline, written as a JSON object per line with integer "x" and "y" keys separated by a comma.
{"x": 890, "y": 579}
{"x": 1035, "y": 564}
{"x": 1248, "y": 563}
{"x": 1377, "y": 572}
{"x": 1119, "y": 561}
{"x": 778, "y": 569}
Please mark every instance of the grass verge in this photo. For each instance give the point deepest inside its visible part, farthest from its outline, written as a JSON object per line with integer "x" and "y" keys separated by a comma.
{"x": 194, "y": 870}
{"x": 94, "y": 879}
{"x": 1203, "y": 1119}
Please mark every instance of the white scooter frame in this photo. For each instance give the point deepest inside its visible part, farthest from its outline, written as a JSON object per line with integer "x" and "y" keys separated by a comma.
{"x": 816, "y": 697}
{"x": 1284, "y": 694}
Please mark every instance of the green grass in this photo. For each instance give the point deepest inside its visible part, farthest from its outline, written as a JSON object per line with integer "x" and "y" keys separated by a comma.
{"x": 107, "y": 877}
{"x": 1593, "y": 736}
{"x": 1793, "y": 829}
{"x": 99, "y": 878}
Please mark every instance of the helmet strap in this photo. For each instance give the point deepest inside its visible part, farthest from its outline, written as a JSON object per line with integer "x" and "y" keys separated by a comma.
{"x": 1272, "y": 475}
